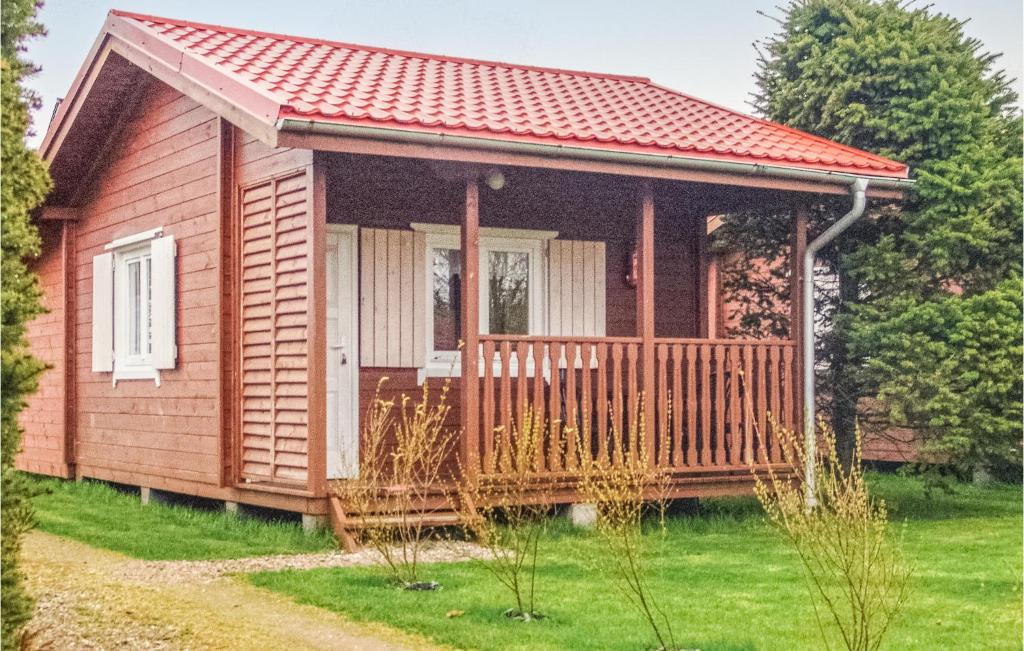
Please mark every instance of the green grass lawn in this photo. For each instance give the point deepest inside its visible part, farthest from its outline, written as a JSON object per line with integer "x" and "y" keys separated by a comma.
{"x": 101, "y": 516}
{"x": 725, "y": 577}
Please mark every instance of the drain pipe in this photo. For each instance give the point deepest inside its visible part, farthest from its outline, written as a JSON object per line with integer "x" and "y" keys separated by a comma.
{"x": 859, "y": 191}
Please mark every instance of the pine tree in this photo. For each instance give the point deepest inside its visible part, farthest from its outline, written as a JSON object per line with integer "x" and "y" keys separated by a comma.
{"x": 24, "y": 183}
{"x": 905, "y": 82}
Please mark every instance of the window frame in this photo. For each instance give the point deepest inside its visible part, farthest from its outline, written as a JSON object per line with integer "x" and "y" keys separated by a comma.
{"x": 449, "y": 363}
{"x": 128, "y": 366}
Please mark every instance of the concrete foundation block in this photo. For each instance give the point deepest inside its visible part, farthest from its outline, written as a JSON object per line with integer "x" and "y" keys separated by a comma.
{"x": 582, "y": 515}
{"x": 149, "y": 496}
{"x": 313, "y": 523}
{"x": 232, "y": 508}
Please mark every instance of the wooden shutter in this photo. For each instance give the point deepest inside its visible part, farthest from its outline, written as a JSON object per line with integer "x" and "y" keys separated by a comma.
{"x": 162, "y": 281}
{"x": 274, "y": 431}
{"x": 103, "y": 313}
{"x": 576, "y": 288}
{"x": 393, "y": 298}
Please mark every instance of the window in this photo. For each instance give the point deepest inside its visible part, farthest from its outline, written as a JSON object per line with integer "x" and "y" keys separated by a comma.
{"x": 511, "y": 288}
{"x": 504, "y": 301}
{"x": 133, "y": 323}
{"x": 133, "y": 307}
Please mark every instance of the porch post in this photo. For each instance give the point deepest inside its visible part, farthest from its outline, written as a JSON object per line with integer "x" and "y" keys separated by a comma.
{"x": 645, "y": 307}
{"x": 798, "y": 245}
{"x": 470, "y": 287}
{"x": 706, "y": 300}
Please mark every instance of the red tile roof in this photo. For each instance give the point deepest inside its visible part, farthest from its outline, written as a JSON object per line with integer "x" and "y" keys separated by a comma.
{"x": 326, "y": 81}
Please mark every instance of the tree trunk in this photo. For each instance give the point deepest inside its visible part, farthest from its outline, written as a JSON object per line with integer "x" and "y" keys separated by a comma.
{"x": 845, "y": 390}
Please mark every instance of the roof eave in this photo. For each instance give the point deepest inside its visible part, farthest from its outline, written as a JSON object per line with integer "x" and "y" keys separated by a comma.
{"x": 881, "y": 186}
{"x": 245, "y": 104}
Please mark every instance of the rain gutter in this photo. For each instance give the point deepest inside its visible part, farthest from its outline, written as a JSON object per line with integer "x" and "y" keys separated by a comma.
{"x": 586, "y": 153}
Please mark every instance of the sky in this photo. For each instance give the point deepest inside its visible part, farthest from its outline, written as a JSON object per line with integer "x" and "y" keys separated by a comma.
{"x": 701, "y": 47}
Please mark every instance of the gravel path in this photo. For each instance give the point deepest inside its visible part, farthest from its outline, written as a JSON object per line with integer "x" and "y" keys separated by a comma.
{"x": 89, "y": 598}
{"x": 176, "y": 572}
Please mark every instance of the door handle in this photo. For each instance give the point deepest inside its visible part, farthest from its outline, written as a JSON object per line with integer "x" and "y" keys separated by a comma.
{"x": 344, "y": 357}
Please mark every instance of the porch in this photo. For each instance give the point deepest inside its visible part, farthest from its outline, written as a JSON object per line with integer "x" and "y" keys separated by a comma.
{"x": 614, "y": 323}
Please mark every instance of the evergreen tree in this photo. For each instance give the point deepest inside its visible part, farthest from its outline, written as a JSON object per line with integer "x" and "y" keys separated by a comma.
{"x": 907, "y": 83}
{"x": 24, "y": 183}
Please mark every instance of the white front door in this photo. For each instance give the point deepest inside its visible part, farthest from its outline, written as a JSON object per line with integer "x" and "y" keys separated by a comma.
{"x": 342, "y": 353}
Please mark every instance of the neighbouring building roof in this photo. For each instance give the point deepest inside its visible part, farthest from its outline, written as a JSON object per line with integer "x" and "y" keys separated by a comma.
{"x": 340, "y": 83}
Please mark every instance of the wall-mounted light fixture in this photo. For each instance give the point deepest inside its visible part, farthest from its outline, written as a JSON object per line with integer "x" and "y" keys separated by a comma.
{"x": 494, "y": 179}
{"x": 633, "y": 268}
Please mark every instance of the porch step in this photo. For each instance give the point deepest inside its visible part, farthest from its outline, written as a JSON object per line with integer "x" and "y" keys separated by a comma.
{"x": 346, "y": 527}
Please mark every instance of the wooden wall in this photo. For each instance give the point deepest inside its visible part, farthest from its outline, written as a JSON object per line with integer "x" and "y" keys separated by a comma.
{"x": 161, "y": 172}
{"x": 44, "y": 448}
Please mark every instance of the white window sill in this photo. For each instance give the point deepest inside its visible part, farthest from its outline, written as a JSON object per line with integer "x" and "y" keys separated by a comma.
{"x": 135, "y": 373}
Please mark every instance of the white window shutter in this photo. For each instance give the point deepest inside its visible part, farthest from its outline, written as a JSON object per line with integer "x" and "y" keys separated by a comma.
{"x": 576, "y": 289}
{"x": 103, "y": 313}
{"x": 393, "y": 303}
{"x": 162, "y": 311}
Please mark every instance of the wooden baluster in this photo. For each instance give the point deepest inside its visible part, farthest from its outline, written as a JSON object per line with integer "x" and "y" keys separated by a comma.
{"x": 677, "y": 405}
{"x": 488, "y": 425}
{"x": 586, "y": 408}
{"x": 602, "y": 402}
{"x": 618, "y": 433}
{"x": 764, "y": 444}
{"x": 522, "y": 383}
{"x": 691, "y": 405}
{"x": 705, "y": 404}
{"x": 735, "y": 443}
{"x": 788, "y": 399}
{"x": 633, "y": 433}
{"x": 555, "y": 407}
{"x": 663, "y": 408}
{"x": 506, "y": 404}
{"x": 719, "y": 405}
{"x": 539, "y": 416}
{"x": 572, "y": 433}
{"x": 775, "y": 394}
{"x": 747, "y": 409}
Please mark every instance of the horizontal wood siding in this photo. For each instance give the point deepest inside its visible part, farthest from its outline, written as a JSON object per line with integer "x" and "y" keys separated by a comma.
{"x": 275, "y": 328}
{"x": 43, "y": 420}
{"x": 161, "y": 172}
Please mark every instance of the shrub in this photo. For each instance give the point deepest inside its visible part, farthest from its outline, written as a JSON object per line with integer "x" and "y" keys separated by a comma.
{"x": 505, "y": 509}
{"x": 625, "y": 490}
{"x": 856, "y": 575}
{"x": 402, "y": 460}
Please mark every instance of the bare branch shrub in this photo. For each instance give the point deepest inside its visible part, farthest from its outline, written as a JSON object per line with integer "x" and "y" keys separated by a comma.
{"x": 402, "y": 455}
{"x": 505, "y": 509}
{"x": 857, "y": 577}
{"x": 626, "y": 490}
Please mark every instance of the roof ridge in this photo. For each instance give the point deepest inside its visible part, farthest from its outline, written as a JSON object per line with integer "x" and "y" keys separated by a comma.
{"x": 779, "y": 125}
{"x": 383, "y": 50}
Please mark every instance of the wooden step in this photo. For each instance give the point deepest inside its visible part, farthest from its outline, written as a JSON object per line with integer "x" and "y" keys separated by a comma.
{"x": 346, "y": 526}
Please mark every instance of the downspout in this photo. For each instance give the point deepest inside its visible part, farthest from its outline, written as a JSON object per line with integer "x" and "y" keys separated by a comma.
{"x": 859, "y": 191}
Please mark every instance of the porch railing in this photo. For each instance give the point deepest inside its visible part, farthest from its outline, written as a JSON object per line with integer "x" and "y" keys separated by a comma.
{"x": 711, "y": 402}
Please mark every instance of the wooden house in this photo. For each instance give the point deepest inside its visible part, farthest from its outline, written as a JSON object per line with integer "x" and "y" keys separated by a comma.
{"x": 248, "y": 230}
